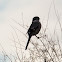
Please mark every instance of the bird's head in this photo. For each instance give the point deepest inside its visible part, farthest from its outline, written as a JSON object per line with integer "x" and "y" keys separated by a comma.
{"x": 36, "y": 19}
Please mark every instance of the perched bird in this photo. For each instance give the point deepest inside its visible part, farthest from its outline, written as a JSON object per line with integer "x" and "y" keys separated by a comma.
{"x": 33, "y": 29}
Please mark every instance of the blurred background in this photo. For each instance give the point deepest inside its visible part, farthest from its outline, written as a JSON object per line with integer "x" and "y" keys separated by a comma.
{"x": 15, "y": 19}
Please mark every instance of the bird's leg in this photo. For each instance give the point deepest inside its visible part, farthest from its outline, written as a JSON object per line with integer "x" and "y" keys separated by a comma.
{"x": 37, "y": 37}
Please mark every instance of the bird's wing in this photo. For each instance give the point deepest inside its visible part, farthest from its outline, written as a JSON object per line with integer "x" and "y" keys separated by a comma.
{"x": 33, "y": 27}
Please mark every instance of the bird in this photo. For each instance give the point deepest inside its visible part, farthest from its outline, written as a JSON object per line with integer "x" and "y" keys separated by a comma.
{"x": 33, "y": 29}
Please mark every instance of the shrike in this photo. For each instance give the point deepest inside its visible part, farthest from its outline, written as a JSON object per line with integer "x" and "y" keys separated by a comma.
{"x": 33, "y": 29}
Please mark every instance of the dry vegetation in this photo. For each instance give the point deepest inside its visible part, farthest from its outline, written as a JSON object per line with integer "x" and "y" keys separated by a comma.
{"x": 44, "y": 49}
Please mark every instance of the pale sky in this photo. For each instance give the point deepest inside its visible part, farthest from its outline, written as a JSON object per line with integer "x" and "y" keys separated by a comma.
{"x": 30, "y": 8}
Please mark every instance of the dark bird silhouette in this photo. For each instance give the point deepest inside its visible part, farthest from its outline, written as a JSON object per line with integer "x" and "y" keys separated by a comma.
{"x": 33, "y": 29}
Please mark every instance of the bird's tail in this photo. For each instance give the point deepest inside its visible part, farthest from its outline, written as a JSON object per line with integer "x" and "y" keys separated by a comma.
{"x": 28, "y": 42}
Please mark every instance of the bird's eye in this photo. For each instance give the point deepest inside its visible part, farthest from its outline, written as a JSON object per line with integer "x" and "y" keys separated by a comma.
{"x": 35, "y": 21}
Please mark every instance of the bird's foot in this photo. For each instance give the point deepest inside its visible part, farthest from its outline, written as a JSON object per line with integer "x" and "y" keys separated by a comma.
{"x": 38, "y": 37}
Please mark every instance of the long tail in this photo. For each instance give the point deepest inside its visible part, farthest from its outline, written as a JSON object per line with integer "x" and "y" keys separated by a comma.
{"x": 28, "y": 42}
